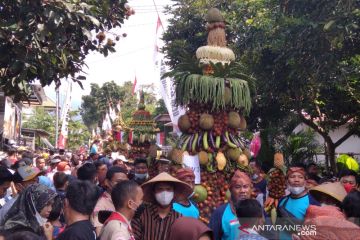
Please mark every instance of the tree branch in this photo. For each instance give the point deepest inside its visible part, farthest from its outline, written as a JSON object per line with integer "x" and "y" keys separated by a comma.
{"x": 345, "y": 137}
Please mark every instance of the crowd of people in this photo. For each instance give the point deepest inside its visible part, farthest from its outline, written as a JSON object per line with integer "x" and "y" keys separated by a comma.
{"x": 88, "y": 197}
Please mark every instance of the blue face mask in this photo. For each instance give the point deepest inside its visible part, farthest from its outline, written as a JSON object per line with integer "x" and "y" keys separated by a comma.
{"x": 141, "y": 176}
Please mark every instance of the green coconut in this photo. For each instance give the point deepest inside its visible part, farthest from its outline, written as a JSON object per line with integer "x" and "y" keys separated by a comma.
{"x": 233, "y": 153}
{"x": 200, "y": 193}
{"x": 234, "y": 120}
{"x": 203, "y": 157}
{"x": 184, "y": 123}
{"x": 227, "y": 95}
{"x": 206, "y": 121}
{"x": 214, "y": 15}
{"x": 243, "y": 123}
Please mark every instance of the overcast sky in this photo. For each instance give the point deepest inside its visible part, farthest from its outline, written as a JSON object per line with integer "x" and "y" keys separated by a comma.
{"x": 134, "y": 54}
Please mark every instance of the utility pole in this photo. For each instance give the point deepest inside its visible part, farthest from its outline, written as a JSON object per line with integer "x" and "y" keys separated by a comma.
{"x": 57, "y": 117}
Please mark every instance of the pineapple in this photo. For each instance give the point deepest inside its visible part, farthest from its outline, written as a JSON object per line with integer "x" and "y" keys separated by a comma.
{"x": 279, "y": 160}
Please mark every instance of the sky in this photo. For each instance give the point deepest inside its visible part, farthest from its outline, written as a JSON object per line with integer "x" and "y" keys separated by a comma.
{"x": 133, "y": 56}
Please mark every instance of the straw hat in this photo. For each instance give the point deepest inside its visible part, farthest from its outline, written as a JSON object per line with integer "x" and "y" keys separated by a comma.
{"x": 181, "y": 189}
{"x": 335, "y": 190}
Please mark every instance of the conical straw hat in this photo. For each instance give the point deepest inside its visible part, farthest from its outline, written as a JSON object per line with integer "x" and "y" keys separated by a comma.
{"x": 181, "y": 189}
{"x": 335, "y": 190}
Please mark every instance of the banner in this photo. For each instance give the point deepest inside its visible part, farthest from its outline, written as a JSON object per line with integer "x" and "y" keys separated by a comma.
{"x": 167, "y": 87}
{"x": 193, "y": 163}
{"x": 65, "y": 118}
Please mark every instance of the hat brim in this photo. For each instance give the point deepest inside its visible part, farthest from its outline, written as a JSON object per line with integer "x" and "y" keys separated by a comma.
{"x": 334, "y": 190}
{"x": 181, "y": 189}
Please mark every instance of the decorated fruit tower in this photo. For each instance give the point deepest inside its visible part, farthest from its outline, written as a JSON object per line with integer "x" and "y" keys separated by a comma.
{"x": 143, "y": 132}
{"x": 215, "y": 91}
{"x": 114, "y": 142}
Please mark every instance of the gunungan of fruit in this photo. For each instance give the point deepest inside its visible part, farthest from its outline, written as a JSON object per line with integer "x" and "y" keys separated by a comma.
{"x": 200, "y": 193}
{"x": 206, "y": 121}
{"x": 234, "y": 120}
{"x": 184, "y": 123}
{"x": 203, "y": 157}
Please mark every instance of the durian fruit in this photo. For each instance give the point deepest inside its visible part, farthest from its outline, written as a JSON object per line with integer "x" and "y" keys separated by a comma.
{"x": 234, "y": 120}
{"x": 184, "y": 123}
{"x": 279, "y": 160}
{"x": 243, "y": 124}
{"x": 206, "y": 121}
{"x": 176, "y": 155}
{"x": 233, "y": 154}
{"x": 221, "y": 161}
{"x": 203, "y": 158}
{"x": 243, "y": 160}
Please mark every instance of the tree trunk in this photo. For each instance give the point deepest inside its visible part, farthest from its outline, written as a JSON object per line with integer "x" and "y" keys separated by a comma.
{"x": 330, "y": 154}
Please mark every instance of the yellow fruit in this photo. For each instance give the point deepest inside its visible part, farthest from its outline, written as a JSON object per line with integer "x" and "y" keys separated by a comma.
{"x": 278, "y": 160}
{"x": 243, "y": 160}
{"x": 203, "y": 158}
{"x": 221, "y": 161}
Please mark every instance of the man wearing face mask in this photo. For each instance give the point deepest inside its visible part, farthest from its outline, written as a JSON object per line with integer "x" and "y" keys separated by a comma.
{"x": 114, "y": 176}
{"x": 292, "y": 208}
{"x": 186, "y": 207}
{"x": 141, "y": 171}
{"x": 224, "y": 221}
{"x": 348, "y": 178}
{"x": 155, "y": 220}
{"x": 258, "y": 181}
{"x": 127, "y": 196}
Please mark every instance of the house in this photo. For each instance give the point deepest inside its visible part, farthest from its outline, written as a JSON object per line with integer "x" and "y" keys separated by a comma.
{"x": 11, "y": 114}
{"x": 350, "y": 146}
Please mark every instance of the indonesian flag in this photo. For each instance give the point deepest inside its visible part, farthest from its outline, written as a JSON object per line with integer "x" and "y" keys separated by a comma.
{"x": 134, "y": 86}
{"x": 157, "y": 38}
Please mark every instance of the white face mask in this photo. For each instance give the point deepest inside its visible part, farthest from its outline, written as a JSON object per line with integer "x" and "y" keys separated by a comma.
{"x": 254, "y": 176}
{"x": 164, "y": 198}
{"x": 296, "y": 190}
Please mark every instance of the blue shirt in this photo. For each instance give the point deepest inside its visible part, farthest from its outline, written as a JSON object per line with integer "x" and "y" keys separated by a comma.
{"x": 187, "y": 211}
{"x": 93, "y": 148}
{"x": 297, "y": 207}
{"x": 230, "y": 224}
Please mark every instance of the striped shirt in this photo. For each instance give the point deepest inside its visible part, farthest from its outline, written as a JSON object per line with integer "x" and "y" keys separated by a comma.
{"x": 150, "y": 226}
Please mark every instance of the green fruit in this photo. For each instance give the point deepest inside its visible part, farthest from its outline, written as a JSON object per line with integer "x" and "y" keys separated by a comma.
{"x": 234, "y": 120}
{"x": 233, "y": 153}
{"x": 206, "y": 121}
{"x": 200, "y": 193}
{"x": 184, "y": 123}
{"x": 228, "y": 195}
